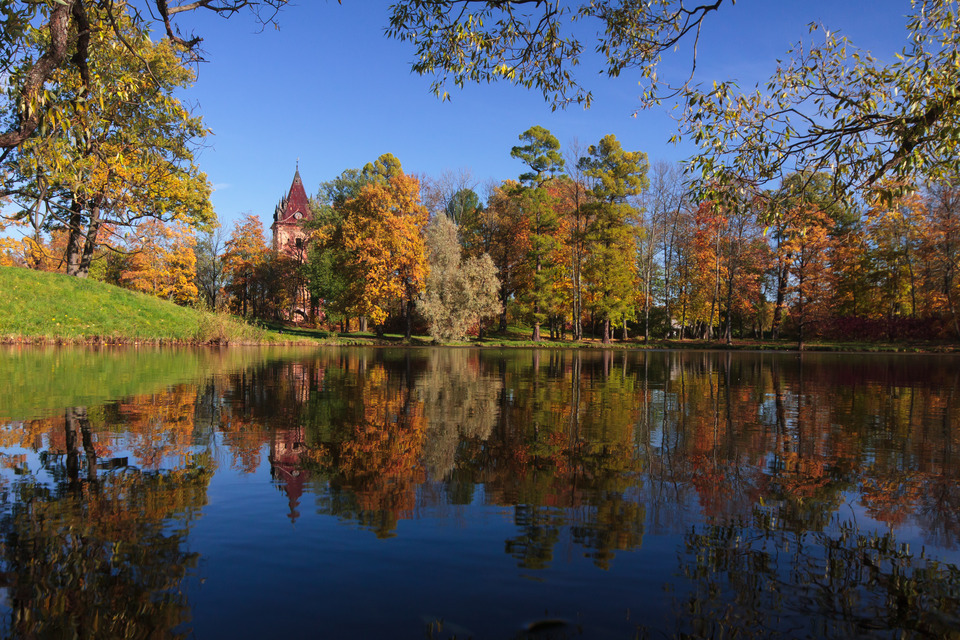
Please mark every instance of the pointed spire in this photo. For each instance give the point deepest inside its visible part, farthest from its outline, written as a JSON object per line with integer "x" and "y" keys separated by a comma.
{"x": 295, "y": 201}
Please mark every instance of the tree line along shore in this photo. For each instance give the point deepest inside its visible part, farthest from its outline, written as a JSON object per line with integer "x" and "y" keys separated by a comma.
{"x": 839, "y": 229}
{"x": 104, "y": 315}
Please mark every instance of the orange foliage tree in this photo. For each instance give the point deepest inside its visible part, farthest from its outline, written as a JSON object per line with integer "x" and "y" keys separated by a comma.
{"x": 259, "y": 282}
{"x": 806, "y": 244}
{"x": 382, "y": 233}
{"x": 940, "y": 250}
{"x": 163, "y": 262}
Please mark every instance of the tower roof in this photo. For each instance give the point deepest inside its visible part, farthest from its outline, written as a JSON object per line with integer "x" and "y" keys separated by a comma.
{"x": 295, "y": 202}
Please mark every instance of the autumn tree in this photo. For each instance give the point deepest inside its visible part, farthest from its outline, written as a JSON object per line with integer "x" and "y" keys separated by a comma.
{"x": 941, "y": 251}
{"x": 246, "y": 252}
{"x": 161, "y": 261}
{"x": 211, "y": 269}
{"x": 381, "y": 236}
{"x": 748, "y": 261}
{"x": 121, "y": 153}
{"x": 327, "y": 281}
{"x": 666, "y": 200}
{"x": 616, "y": 175}
{"x": 499, "y": 230}
{"x": 865, "y": 118}
{"x": 541, "y": 153}
{"x": 705, "y": 284}
{"x": 805, "y": 214}
{"x": 575, "y": 195}
{"x": 852, "y": 291}
{"x": 567, "y": 254}
{"x": 68, "y": 43}
{"x": 11, "y": 252}
{"x": 807, "y": 244}
{"x": 459, "y": 292}
{"x": 895, "y": 230}
{"x": 734, "y": 259}
{"x": 341, "y": 272}
{"x": 828, "y": 106}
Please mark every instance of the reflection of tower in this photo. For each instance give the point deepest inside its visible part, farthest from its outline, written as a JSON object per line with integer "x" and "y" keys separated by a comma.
{"x": 285, "y": 451}
{"x": 299, "y": 377}
{"x": 290, "y": 238}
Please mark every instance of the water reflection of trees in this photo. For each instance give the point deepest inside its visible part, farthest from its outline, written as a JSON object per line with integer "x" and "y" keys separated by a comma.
{"x": 95, "y": 537}
{"x": 756, "y": 579}
{"x": 616, "y": 441}
{"x": 754, "y": 461}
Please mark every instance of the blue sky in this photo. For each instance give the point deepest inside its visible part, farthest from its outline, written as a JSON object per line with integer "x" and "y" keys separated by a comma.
{"x": 328, "y": 88}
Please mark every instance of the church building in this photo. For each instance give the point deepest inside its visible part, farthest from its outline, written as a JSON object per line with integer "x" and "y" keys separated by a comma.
{"x": 291, "y": 213}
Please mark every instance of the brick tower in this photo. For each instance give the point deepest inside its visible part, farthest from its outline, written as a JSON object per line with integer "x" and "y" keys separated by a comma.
{"x": 290, "y": 238}
{"x": 288, "y": 218}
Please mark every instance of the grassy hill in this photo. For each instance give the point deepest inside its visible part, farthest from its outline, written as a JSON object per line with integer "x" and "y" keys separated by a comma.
{"x": 52, "y": 307}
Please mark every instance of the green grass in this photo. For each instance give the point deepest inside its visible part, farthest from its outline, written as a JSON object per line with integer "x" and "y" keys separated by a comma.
{"x": 52, "y": 307}
{"x": 37, "y": 307}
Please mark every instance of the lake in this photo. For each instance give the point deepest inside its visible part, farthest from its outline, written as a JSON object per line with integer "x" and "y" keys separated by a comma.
{"x": 461, "y": 493}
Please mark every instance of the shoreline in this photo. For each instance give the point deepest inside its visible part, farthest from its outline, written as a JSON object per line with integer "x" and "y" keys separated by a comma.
{"x": 366, "y": 340}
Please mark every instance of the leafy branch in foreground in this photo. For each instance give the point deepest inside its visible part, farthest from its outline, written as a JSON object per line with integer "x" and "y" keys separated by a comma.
{"x": 836, "y": 109}
{"x": 829, "y": 107}
{"x": 69, "y": 26}
{"x": 533, "y": 42}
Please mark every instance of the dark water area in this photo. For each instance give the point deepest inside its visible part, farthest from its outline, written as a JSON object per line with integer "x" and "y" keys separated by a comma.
{"x": 458, "y": 493}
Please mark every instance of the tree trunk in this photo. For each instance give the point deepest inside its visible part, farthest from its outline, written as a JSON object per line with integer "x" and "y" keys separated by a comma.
{"x": 781, "y": 295}
{"x": 683, "y": 318}
{"x": 778, "y": 306}
{"x": 646, "y": 320}
{"x": 504, "y": 294}
{"x": 36, "y": 75}
{"x": 729, "y": 323}
{"x": 801, "y": 304}
{"x": 78, "y": 424}
{"x": 74, "y": 242}
{"x": 606, "y": 331}
{"x": 536, "y": 305}
{"x": 72, "y": 430}
{"x": 409, "y": 332}
{"x": 90, "y": 243}
{"x": 577, "y": 304}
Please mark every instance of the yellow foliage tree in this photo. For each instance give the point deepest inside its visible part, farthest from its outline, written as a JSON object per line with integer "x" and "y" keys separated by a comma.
{"x": 383, "y": 234}
{"x": 123, "y": 150}
{"x": 163, "y": 263}
{"x": 246, "y": 252}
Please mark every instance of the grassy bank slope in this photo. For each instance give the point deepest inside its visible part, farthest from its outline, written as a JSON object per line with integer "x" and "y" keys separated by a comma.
{"x": 52, "y": 307}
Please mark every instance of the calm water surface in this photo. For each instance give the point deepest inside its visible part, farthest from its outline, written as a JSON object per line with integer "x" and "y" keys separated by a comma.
{"x": 443, "y": 493}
